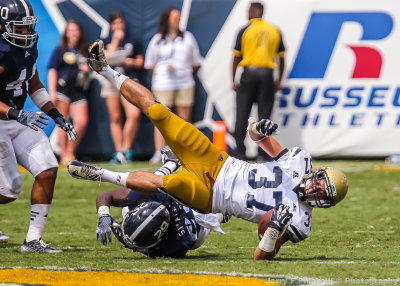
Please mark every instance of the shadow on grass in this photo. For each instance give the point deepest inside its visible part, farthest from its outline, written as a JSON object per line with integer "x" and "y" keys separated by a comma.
{"x": 317, "y": 258}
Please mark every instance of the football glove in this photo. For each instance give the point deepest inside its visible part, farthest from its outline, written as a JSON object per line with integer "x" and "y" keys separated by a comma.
{"x": 280, "y": 219}
{"x": 34, "y": 120}
{"x": 265, "y": 127}
{"x": 97, "y": 60}
{"x": 167, "y": 155}
{"x": 67, "y": 126}
{"x": 103, "y": 231}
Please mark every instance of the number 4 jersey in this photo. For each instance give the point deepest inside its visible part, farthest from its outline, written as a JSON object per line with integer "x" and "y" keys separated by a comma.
{"x": 249, "y": 190}
{"x": 19, "y": 66}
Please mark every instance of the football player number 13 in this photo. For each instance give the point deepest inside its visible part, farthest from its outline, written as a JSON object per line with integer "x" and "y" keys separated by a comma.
{"x": 264, "y": 182}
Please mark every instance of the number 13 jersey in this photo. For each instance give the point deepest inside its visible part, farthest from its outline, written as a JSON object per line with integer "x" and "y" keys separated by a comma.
{"x": 249, "y": 190}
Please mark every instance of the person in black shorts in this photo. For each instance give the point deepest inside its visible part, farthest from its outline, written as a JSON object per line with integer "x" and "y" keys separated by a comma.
{"x": 67, "y": 78}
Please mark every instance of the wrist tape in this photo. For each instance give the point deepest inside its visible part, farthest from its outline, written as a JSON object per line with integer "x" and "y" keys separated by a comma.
{"x": 12, "y": 113}
{"x": 103, "y": 210}
{"x": 40, "y": 97}
{"x": 268, "y": 241}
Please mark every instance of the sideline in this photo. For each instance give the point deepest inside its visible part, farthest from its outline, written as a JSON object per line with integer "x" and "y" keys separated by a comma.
{"x": 49, "y": 277}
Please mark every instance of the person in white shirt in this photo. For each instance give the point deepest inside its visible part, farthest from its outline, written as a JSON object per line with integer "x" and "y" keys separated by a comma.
{"x": 172, "y": 56}
{"x": 212, "y": 181}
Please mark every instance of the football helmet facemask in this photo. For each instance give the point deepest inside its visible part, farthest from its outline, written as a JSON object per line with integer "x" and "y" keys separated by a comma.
{"x": 143, "y": 227}
{"x": 323, "y": 188}
{"x": 17, "y": 23}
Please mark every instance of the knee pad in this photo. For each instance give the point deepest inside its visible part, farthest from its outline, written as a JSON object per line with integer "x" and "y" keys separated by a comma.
{"x": 157, "y": 112}
{"x": 189, "y": 190}
{"x": 13, "y": 189}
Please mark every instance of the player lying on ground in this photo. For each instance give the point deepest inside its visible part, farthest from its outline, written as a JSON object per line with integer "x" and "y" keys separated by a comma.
{"x": 154, "y": 225}
{"x": 212, "y": 181}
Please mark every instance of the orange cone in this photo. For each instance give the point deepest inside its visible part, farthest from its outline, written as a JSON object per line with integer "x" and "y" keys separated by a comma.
{"x": 219, "y": 134}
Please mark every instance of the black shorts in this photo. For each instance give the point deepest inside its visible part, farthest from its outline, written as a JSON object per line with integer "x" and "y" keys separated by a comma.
{"x": 71, "y": 94}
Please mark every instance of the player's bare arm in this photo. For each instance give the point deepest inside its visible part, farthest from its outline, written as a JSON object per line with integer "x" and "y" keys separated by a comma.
{"x": 260, "y": 132}
{"x": 115, "y": 198}
{"x": 263, "y": 255}
{"x": 272, "y": 239}
{"x": 34, "y": 85}
{"x": 3, "y": 110}
{"x": 42, "y": 100}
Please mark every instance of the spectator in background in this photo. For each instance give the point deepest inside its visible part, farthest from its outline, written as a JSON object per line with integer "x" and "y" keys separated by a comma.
{"x": 68, "y": 73}
{"x": 172, "y": 56}
{"x": 125, "y": 54}
{"x": 256, "y": 48}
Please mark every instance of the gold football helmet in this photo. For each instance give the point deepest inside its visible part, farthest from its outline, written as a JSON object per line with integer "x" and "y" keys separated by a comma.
{"x": 323, "y": 188}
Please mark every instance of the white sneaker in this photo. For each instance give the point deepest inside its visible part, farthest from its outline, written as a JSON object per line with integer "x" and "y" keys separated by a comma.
{"x": 167, "y": 155}
{"x": 38, "y": 246}
{"x": 4, "y": 237}
{"x": 156, "y": 159}
{"x": 80, "y": 170}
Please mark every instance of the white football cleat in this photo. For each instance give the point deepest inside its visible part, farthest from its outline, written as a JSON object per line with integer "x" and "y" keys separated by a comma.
{"x": 167, "y": 155}
{"x": 4, "y": 237}
{"x": 38, "y": 245}
{"x": 80, "y": 170}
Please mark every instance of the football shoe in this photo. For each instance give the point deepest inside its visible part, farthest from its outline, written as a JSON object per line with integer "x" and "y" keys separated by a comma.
{"x": 167, "y": 155}
{"x": 38, "y": 245}
{"x": 3, "y": 237}
{"x": 80, "y": 170}
{"x": 97, "y": 59}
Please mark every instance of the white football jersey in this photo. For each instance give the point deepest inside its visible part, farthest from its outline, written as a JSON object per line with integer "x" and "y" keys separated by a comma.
{"x": 249, "y": 190}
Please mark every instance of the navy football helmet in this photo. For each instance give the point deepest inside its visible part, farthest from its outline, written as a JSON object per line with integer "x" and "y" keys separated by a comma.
{"x": 18, "y": 23}
{"x": 144, "y": 226}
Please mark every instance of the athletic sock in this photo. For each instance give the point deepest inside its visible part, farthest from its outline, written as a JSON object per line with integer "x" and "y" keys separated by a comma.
{"x": 167, "y": 169}
{"x": 39, "y": 214}
{"x": 114, "y": 177}
{"x": 114, "y": 77}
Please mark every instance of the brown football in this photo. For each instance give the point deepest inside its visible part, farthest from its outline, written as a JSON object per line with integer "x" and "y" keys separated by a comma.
{"x": 263, "y": 225}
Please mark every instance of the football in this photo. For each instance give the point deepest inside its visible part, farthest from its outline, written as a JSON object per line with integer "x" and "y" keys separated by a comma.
{"x": 263, "y": 225}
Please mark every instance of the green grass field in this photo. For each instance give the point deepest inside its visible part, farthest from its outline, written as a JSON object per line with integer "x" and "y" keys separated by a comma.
{"x": 358, "y": 239}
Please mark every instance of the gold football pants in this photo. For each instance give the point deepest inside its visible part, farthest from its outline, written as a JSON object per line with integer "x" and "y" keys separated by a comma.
{"x": 201, "y": 160}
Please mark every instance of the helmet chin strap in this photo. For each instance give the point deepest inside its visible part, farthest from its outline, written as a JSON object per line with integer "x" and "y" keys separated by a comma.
{"x": 301, "y": 191}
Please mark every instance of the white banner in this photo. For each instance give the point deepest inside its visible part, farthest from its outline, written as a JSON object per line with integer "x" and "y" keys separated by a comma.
{"x": 341, "y": 93}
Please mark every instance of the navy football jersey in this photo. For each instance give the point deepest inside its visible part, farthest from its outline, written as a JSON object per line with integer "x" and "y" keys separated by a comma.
{"x": 182, "y": 231}
{"x": 19, "y": 66}
{"x": 66, "y": 63}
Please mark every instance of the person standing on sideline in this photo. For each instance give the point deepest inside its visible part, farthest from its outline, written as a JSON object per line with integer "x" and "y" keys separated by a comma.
{"x": 126, "y": 51}
{"x": 68, "y": 74}
{"x": 256, "y": 48}
{"x": 22, "y": 140}
{"x": 172, "y": 57}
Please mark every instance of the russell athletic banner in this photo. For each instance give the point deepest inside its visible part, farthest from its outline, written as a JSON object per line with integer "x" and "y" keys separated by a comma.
{"x": 341, "y": 90}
